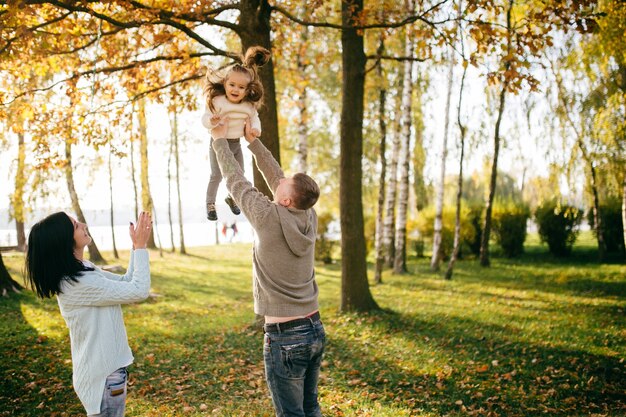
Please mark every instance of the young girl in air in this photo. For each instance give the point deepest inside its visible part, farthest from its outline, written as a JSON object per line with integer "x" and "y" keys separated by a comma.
{"x": 233, "y": 94}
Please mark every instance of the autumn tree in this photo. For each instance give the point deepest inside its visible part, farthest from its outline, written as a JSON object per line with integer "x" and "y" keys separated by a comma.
{"x": 127, "y": 42}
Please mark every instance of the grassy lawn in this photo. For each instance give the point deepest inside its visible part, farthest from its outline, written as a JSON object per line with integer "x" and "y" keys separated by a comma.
{"x": 536, "y": 336}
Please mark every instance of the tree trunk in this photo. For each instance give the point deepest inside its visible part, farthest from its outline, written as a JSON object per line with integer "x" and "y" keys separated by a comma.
{"x": 146, "y": 196}
{"x": 254, "y": 22}
{"x": 132, "y": 164}
{"x": 624, "y": 209}
{"x": 597, "y": 217}
{"x": 484, "y": 241}
{"x": 399, "y": 264}
{"x": 355, "y": 292}
{"x": 592, "y": 170}
{"x": 382, "y": 99}
{"x": 115, "y": 254}
{"x": 169, "y": 179}
{"x": 302, "y": 100}
{"x": 7, "y": 284}
{"x": 183, "y": 250}
{"x": 389, "y": 223}
{"x": 438, "y": 227}
{"x": 17, "y": 202}
{"x": 94, "y": 253}
{"x": 459, "y": 193}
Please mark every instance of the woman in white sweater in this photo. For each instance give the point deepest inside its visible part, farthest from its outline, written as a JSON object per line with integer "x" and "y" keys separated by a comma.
{"x": 90, "y": 302}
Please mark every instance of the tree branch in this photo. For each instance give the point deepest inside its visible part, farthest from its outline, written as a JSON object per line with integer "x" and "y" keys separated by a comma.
{"x": 34, "y": 28}
{"x": 106, "y": 70}
{"x": 163, "y": 19}
{"x": 392, "y": 25}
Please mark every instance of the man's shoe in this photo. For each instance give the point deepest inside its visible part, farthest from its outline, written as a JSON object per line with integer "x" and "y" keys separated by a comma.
{"x": 211, "y": 213}
{"x": 233, "y": 207}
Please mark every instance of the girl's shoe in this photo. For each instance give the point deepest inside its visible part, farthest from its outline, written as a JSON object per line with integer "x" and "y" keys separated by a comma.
{"x": 233, "y": 207}
{"x": 211, "y": 213}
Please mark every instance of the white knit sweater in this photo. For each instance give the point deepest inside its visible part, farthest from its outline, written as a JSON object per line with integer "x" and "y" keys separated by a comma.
{"x": 92, "y": 311}
{"x": 237, "y": 114}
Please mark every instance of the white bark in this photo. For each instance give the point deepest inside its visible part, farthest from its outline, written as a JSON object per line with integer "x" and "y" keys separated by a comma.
{"x": 436, "y": 257}
{"x": 399, "y": 264}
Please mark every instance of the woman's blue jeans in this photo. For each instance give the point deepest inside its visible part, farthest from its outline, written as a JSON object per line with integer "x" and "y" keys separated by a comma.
{"x": 114, "y": 396}
{"x": 292, "y": 368}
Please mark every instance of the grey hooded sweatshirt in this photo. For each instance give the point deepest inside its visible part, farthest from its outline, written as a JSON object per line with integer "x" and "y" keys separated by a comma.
{"x": 284, "y": 246}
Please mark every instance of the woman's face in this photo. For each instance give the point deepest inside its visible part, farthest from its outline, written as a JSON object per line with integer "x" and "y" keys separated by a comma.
{"x": 81, "y": 236}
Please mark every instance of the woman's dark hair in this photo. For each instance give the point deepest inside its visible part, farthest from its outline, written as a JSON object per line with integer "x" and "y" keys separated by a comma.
{"x": 255, "y": 57}
{"x": 50, "y": 258}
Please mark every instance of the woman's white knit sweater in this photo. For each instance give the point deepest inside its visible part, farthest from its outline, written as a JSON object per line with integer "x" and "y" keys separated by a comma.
{"x": 92, "y": 310}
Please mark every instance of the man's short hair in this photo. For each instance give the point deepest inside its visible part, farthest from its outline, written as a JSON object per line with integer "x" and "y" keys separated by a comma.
{"x": 306, "y": 191}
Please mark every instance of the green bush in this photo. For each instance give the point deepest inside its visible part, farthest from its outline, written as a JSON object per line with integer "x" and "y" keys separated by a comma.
{"x": 475, "y": 218}
{"x": 324, "y": 246}
{"x": 612, "y": 226}
{"x": 558, "y": 226}
{"x": 425, "y": 225}
{"x": 509, "y": 226}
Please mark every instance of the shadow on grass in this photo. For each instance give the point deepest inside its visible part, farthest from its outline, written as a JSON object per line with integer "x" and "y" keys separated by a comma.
{"x": 527, "y": 379}
{"x": 33, "y": 374}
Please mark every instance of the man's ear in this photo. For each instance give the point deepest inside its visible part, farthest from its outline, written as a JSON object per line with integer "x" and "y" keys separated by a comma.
{"x": 285, "y": 202}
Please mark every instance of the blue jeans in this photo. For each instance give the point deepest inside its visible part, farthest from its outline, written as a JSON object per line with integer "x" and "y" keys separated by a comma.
{"x": 114, "y": 396}
{"x": 292, "y": 368}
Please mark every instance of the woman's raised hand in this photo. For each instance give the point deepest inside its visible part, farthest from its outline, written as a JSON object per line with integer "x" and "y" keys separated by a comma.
{"x": 140, "y": 233}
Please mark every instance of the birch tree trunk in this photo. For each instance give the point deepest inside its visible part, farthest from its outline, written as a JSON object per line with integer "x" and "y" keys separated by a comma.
{"x": 94, "y": 253}
{"x": 459, "y": 193}
{"x": 146, "y": 196}
{"x": 132, "y": 164}
{"x": 382, "y": 99}
{"x": 580, "y": 142}
{"x": 438, "y": 226}
{"x": 302, "y": 101}
{"x": 183, "y": 250}
{"x": 355, "y": 292}
{"x": 17, "y": 200}
{"x": 399, "y": 264}
{"x": 169, "y": 186}
{"x": 112, "y": 219}
{"x": 389, "y": 222}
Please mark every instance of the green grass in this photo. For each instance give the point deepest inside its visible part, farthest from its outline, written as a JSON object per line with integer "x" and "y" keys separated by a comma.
{"x": 536, "y": 336}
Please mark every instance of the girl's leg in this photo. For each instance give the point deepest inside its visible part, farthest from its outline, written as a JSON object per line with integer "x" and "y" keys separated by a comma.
{"x": 215, "y": 179}
{"x": 235, "y": 148}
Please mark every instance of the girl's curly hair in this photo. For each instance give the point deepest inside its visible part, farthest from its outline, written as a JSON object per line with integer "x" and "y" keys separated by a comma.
{"x": 255, "y": 57}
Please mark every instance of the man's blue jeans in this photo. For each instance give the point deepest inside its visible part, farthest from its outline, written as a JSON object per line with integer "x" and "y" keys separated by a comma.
{"x": 292, "y": 368}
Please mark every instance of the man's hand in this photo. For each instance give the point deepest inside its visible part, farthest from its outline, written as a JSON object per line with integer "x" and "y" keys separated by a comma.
{"x": 221, "y": 127}
{"x": 250, "y": 134}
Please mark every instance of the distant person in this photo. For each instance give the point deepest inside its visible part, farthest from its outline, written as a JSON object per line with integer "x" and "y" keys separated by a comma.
{"x": 237, "y": 93}
{"x": 285, "y": 291}
{"x": 90, "y": 302}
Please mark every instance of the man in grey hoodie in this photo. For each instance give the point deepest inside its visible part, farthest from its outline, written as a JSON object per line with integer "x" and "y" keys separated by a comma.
{"x": 284, "y": 287}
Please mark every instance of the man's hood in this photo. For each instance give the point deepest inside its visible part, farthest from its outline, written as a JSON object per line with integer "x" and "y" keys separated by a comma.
{"x": 299, "y": 228}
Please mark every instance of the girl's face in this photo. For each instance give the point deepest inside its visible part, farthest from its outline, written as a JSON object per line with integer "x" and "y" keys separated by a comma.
{"x": 236, "y": 85}
{"x": 81, "y": 236}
